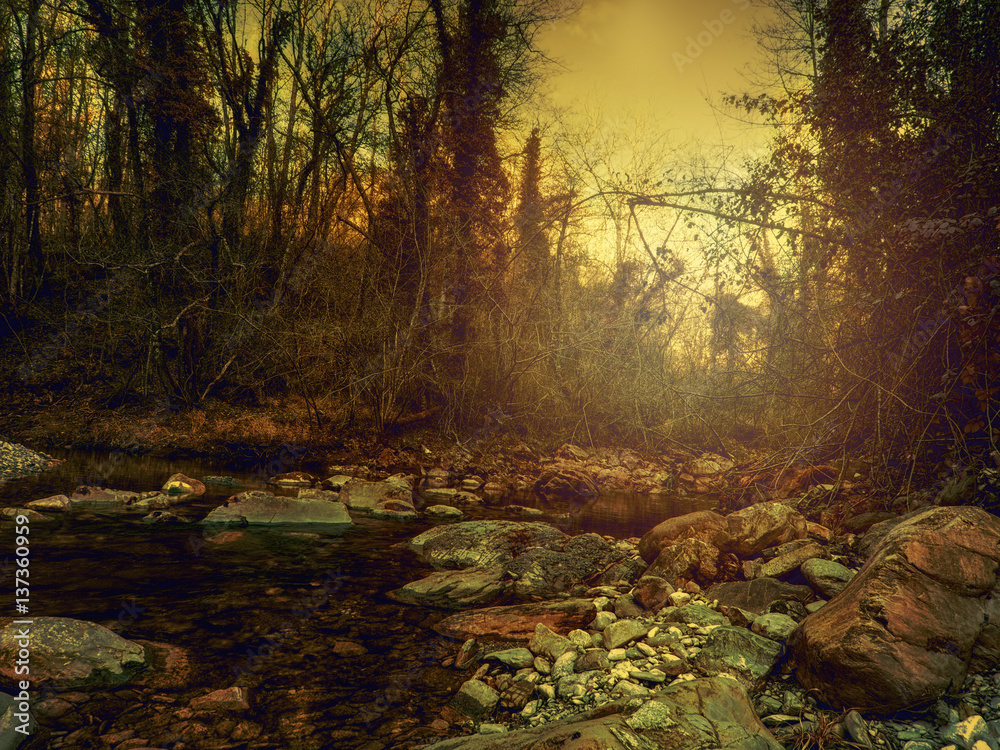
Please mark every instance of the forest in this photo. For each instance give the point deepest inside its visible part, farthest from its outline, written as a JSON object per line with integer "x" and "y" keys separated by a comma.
{"x": 357, "y": 209}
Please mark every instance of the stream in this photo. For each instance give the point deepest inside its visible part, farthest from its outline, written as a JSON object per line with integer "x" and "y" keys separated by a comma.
{"x": 300, "y": 618}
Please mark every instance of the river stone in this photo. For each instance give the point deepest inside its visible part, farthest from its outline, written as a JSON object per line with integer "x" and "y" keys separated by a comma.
{"x": 54, "y": 503}
{"x": 757, "y": 527}
{"x": 789, "y": 562}
{"x": 737, "y": 651}
{"x": 546, "y": 573}
{"x": 690, "y": 559}
{"x": 475, "y": 699}
{"x": 704, "y": 525}
{"x": 517, "y": 622}
{"x": 260, "y": 507}
{"x": 369, "y": 497}
{"x": 922, "y": 614}
{"x": 698, "y": 614}
{"x": 71, "y": 653}
{"x": 621, "y": 632}
{"x": 545, "y": 642}
{"x": 181, "y": 484}
{"x": 33, "y": 516}
{"x": 596, "y": 658}
{"x": 515, "y": 658}
{"x": 454, "y": 589}
{"x": 711, "y": 713}
{"x": 652, "y": 592}
{"x": 226, "y": 699}
{"x": 827, "y": 577}
{"x": 774, "y": 625}
{"x": 471, "y": 544}
{"x": 755, "y": 596}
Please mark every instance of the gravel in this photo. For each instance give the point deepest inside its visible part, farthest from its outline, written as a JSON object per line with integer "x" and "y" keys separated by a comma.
{"x": 17, "y": 461}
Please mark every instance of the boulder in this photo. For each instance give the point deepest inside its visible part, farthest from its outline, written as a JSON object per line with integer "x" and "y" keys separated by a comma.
{"x": 652, "y": 592}
{"x": 517, "y": 622}
{"x": 470, "y": 544}
{"x": 545, "y": 573}
{"x": 697, "y": 614}
{"x": 703, "y": 525}
{"x": 14, "y": 729}
{"x": 73, "y": 654}
{"x": 181, "y": 484}
{"x": 547, "y": 643}
{"x": 690, "y": 559}
{"x": 753, "y": 529}
{"x": 475, "y": 699}
{"x": 922, "y": 613}
{"x": 787, "y": 563}
{"x": 445, "y": 512}
{"x": 711, "y": 713}
{"x": 259, "y": 507}
{"x": 294, "y": 479}
{"x": 454, "y": 589}
{"x": 621, "y": 632}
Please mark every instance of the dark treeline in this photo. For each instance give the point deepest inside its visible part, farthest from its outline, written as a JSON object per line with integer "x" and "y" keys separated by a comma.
{"x": 360, "y": 204}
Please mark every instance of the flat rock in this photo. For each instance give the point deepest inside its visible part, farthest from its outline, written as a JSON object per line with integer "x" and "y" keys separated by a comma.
{"x": 470, "y": 544}
{"x": 517, "y": 622}
{"x": 259, "y": 507}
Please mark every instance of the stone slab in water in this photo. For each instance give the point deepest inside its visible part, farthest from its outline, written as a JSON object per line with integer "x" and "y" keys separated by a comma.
{"x": 517, "y": 622}
{"x": 264, "y": 508}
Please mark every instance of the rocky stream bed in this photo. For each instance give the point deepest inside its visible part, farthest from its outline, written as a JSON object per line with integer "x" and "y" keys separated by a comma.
{"x": 762, "y": 628}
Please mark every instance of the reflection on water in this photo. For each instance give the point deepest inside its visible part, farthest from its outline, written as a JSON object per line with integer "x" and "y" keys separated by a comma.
{"x": 297, "y": 616}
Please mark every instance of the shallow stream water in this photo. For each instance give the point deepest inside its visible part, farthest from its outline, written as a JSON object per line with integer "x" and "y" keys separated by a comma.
{"x": 300, "y": 618}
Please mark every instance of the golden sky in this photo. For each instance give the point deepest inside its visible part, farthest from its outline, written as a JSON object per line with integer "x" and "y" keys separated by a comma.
{"x": 663, "y": 58}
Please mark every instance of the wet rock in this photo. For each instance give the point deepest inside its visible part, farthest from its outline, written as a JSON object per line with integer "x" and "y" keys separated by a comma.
{"x": 318, "y": 493}
{"x": 711, "y": 713}
{"x": 544, "y": 573}
{"x": 517, "y": 622}
{"x": 71, "y": 653}
{"x": 697, "y": 614}
{"x": 515, "y": 658}
{"x": 627, "y": 606}
{"x": 56, "y": 503}
{"x": 445, "y": 512}
{"x": 739, "y": 652}
{"x": 389, "y": 499}
{"x": 923, "y": 612}
{"x": 753, "y": 529}
{"x": 164, "y": 517}
{"x": 259, "y": 507}
{"x": 181, "y": 484}
{"x": 827, "y": 577}
{"x": 454, "y": 589}
{"x": 703, "y": 525}
{"x": 294, "y": 479}
{"x": 33, "y": 516}
{"x": 755, "y": 596}
{"x": 452, "y": 497}
{"x": 471, "y": 544}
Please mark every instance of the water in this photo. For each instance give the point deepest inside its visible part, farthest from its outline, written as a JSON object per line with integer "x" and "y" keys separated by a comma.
{"x": 300, "y": 618}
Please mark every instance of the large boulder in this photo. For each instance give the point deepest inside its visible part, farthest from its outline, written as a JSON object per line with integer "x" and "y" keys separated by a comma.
{"x": 758, "y": 527}
{"x": 703, "y": 525}
{"x": 711, "y": 713}
{"x": 471, "y": 544}
{"x": 73, "y": 654}
{"x": 689, "y": 559}
{"x": 181, "y": 484}
{"x": 259, "y": 507}
{"x": 922, "y": 613}
{"x": 544, "y": 573}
